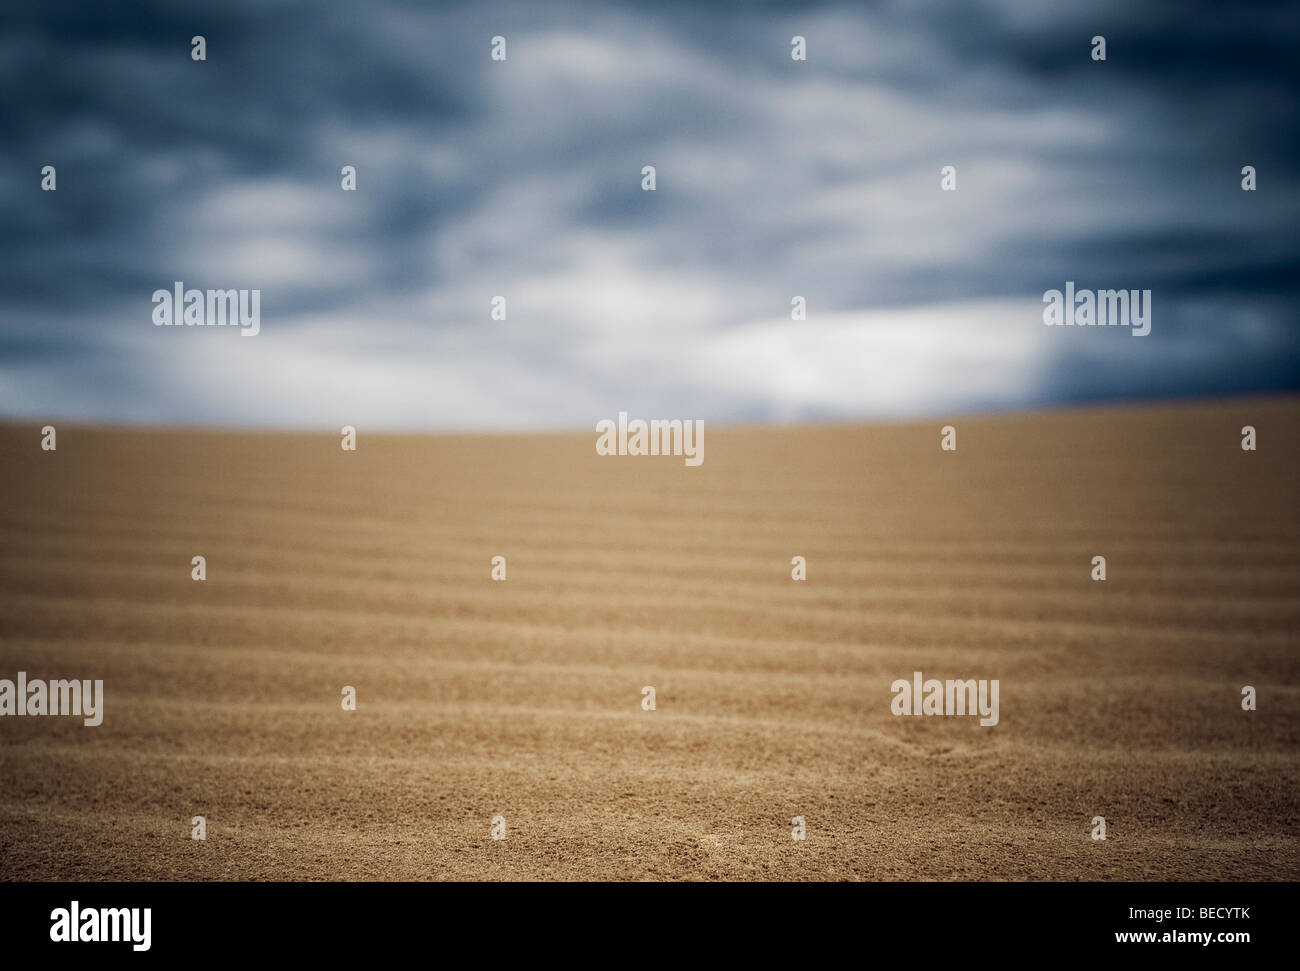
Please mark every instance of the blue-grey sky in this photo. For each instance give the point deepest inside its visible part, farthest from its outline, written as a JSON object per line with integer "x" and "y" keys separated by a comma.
{"x": 522, "y": 178}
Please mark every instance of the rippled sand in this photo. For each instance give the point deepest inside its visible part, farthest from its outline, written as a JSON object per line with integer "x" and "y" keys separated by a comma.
{"x": 522, "y": 699}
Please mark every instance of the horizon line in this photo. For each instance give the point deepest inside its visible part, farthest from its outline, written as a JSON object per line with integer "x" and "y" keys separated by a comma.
{"x": 1089, "y": 405}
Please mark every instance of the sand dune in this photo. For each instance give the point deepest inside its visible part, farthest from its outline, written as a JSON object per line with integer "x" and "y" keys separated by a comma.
{"x": 522, "y": 698}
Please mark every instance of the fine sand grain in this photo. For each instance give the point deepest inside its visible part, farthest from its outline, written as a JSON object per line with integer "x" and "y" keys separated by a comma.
{"x": 522, "y": 699}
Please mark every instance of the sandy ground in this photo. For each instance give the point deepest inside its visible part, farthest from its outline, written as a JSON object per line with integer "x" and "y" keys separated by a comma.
{"x": 522, "y": 698}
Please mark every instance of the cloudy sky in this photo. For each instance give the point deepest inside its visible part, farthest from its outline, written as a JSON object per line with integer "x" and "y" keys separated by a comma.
{"x": 522, "y": 178}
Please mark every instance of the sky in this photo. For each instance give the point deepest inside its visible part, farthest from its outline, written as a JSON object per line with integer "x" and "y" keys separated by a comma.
{"x": 522, "y": 178}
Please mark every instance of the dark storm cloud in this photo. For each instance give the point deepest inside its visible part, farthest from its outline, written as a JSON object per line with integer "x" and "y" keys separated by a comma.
{"x": 522, "y": 178}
